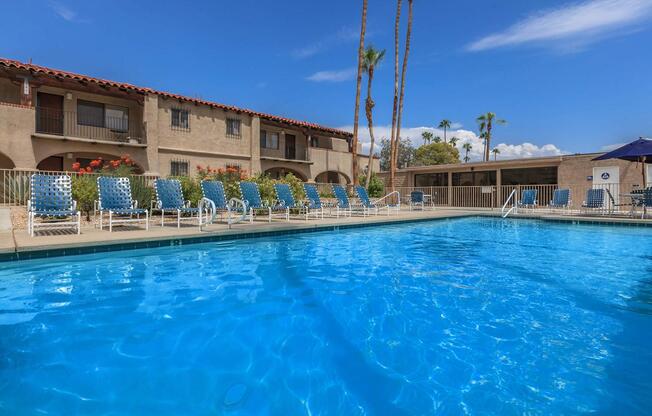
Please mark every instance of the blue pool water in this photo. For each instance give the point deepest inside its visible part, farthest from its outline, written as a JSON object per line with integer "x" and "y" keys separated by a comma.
{"x": 470, "y": 316}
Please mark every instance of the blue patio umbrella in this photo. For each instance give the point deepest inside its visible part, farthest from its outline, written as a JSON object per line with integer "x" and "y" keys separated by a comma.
{"x": 637, "y": 151}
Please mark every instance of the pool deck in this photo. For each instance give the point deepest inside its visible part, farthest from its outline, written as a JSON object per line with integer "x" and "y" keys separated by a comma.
{"x": 17, "y": 244}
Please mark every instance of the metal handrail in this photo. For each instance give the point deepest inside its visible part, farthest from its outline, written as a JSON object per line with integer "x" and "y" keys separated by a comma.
{"x": 514, "y": 205}
{"x": 388, "y": 195}
{"x": 211, "y": 208}
{"x": 234, "y": 202}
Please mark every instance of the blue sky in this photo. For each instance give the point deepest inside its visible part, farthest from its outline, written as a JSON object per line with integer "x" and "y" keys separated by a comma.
{"x": 569, "y": 76}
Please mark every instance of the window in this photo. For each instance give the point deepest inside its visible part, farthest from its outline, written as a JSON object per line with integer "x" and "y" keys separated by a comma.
{"x": 233, "y": 127}
{"x": 179, "y": 168}
{"x": 314, "y": 141}
{"x": 90, "y": 113}
{"x": 431, "y": 179}
{"x": 94, "y": 114}
{"x": 482, "y": 178}
{"x": 529, "y": 176}
{"x": 268, "y": 139}
{"x": 180, "y": 119}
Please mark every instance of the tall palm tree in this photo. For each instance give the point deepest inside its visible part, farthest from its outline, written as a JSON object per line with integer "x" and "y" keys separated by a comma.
{"x": 372, "y": 57}
{"x": 445, "y": 124}
{"x": 427, "y": 137}
{"x": 486, "y": 122}
{"x": 467, "y": 147}
{"x": 453, "y": 141}
{"x": 436, "y": 139}
{"x": 393, "y": 139}
{"x": 356, "y": 116}
{"x": 406, "y": 54}
{"x": 495, "y": 151}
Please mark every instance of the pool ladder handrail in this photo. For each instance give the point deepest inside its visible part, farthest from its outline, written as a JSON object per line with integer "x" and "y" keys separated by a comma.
{"x": 233, "y": 204}
{"x": 396, "y": 207}
{"x": 514, "y": 208}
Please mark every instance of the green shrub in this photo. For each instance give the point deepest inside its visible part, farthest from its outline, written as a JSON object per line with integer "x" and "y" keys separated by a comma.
{"x": 266, "y": 187}
{"x": 377, "y": 187}
{"x": 296, "y": 185}
{"x": 84, "y": 191}
{"x": 191, "y": 189}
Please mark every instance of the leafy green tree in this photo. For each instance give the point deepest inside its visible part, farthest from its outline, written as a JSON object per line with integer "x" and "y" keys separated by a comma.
{"x": 445, "y": 124}
{"x": 436, "y": 154}
{"x": 405, "y": 154}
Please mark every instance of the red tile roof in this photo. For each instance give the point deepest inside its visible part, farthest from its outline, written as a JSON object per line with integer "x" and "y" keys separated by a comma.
{"x": 37, "y": 69}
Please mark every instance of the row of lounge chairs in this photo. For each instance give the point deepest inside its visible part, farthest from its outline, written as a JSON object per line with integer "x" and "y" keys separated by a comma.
{"x": 51, "y": 199}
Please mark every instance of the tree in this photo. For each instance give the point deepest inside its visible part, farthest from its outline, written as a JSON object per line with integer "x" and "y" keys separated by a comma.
{"x": 406, "y": 54}
{"x": 393, "y": 137}
{"x": 495, "y": 151}
{"x": 405, "y": 154}
{"x": 356, "y": 116}
{"x": 467, "y": 148}
{"x": 445, "y": 124}
{"x": 427, "y": 137}
{"x": 436, "y": 154}
{"x": 453, "y": 141}
{"x": 436, "y": 139}
{"x": 485, "y": 123}
{"x": 372, "y": 58}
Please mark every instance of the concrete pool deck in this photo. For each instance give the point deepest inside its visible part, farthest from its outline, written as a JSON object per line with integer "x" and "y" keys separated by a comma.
{"x": 17, "y": 244}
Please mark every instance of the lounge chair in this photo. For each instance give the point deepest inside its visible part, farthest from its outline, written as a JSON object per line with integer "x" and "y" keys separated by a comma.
{"x": 286, "y": 199}
{"x": 560, "y": 199}
{"x": 215, "y": 197}
{"x": 417, "y": 199}
{"x": 528, "y": 198}
{"x": 368, "y": 207}
{"x": 646, "y": 201}
{"x": 51, "y": 200}
{"x": 342, "y": 206}
{"x": 594, "y": 200}
{"x": 169, "y": 197}
{"x": 314, "y": 205}
{"x": 253, "y": 202}
{"x": 115, "y": 198}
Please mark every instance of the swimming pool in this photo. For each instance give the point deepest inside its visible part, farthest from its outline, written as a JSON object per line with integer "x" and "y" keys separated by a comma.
{"x": 476, "y": 315}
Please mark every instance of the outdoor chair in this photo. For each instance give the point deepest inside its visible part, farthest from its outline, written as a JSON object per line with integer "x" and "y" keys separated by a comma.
{"x": 560, "y": 199}
{"x": 313, "y": 201}
{"x": 286, "y": 199}
{"x": 114, "y": 197}
{"x": 343, "y": 205}
{"x": 368, "y": 206}
{"x": 594, "y": 201}
{"x": 253, "y": 203}
{"x": 169, "y": 197}
{"x": 417, "y": 199}
{"x": 215, "y": 197}
{"x": 51, "y": 201}
{"x": 528, "y": 198}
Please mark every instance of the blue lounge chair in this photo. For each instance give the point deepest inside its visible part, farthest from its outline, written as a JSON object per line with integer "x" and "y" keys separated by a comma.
{"x": 343, "y": 205}
{"x": 368, "y": 206}
{"x": 314, "y": 205}
{"x": 594, "y": 200}
{"x": 51, "y": 200}
{"x": 115, "y": 198}
{"x": 528, "y": 198}
{"x": 286, "y": 199}
{"x": 253, "y": 202}
{"x": 560, "y": 199}
{"x": 215, "y": 197}
{"x": 417, "y": 199}
{"x": 169, "y": 197}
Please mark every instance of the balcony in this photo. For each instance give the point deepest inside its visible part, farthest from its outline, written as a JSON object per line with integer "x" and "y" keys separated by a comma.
{"x": 287, "y": 154}
{"x": 71, "y": 125}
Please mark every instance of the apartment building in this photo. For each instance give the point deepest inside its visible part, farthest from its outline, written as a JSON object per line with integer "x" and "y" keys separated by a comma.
{"x": 50, "y": 119}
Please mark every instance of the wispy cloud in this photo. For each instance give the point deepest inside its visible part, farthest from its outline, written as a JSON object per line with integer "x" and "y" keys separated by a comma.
{"x": 333, "y": 76}
{"x": 507, "y": 151}
{"x": 65, "y": 12}
{"x": 345, "y": 34}
{"x": 571, "y": 26}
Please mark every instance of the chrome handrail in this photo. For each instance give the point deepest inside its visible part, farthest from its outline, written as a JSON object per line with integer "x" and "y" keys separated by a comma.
{"x": 234, "y": 202}
{"x": 388, "y": 195}
{"x": 514, "y": 205}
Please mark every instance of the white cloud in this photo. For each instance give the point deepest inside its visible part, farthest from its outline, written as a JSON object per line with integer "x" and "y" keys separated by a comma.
{"x": 576, "y": 24}
{"x": 65, "y": 12}
{"x": 345, "y": 34}
{"x": 507, "y": 151}
{"x": 333, "y": 76}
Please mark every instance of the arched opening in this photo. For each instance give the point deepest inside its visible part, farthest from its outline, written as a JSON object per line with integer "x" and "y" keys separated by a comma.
{"x": 64, "y": 161}
{"x": 5, "y": 162}
{"x": 332, "y": 176}
{"x": 278, "y": 173}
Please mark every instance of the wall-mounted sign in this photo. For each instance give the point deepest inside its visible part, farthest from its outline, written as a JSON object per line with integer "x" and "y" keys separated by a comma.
{"x": 605, "y": 175}
{"x": 589, "y": 178}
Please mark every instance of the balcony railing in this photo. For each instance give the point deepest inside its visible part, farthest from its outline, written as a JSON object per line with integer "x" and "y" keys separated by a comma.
{"x": 71, "y": 124}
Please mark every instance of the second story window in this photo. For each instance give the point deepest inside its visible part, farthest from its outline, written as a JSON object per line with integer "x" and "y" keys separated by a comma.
{"x": 268, "y": 139}
{"x": 90, "y": 113}
{"x": 233, "y": 128}
{"x": 180, "y": 119}
{"x": 179, "y": 168}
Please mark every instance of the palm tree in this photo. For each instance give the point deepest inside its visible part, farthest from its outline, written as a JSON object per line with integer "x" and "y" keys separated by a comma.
{"x": 453, "y": 141}
{"x": 356, "y": 116}
{"x": 486, "y": 122}
{"x": 467, "y": 147}
{"x": 445, "y": 124}
{"x": 427, "y": 137}
{"x": 393, "y": 139}
{"x": 436, "y": 139}
{"x": 406, "y": 54}
{"x": 372, "y": 57}
{"x": 495, "y": 151}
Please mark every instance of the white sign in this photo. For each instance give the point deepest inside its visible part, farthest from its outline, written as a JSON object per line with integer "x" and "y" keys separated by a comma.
{"x": 607, "y": 177}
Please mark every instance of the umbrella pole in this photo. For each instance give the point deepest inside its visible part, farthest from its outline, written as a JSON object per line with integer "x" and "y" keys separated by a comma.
{"x": 644, "y": 174}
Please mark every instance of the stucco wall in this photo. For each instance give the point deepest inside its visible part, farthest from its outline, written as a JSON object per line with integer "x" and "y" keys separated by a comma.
{"x": 9, "y": 92}
{"x": 16, "y": 126}
{"x": 576, "y": 169}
